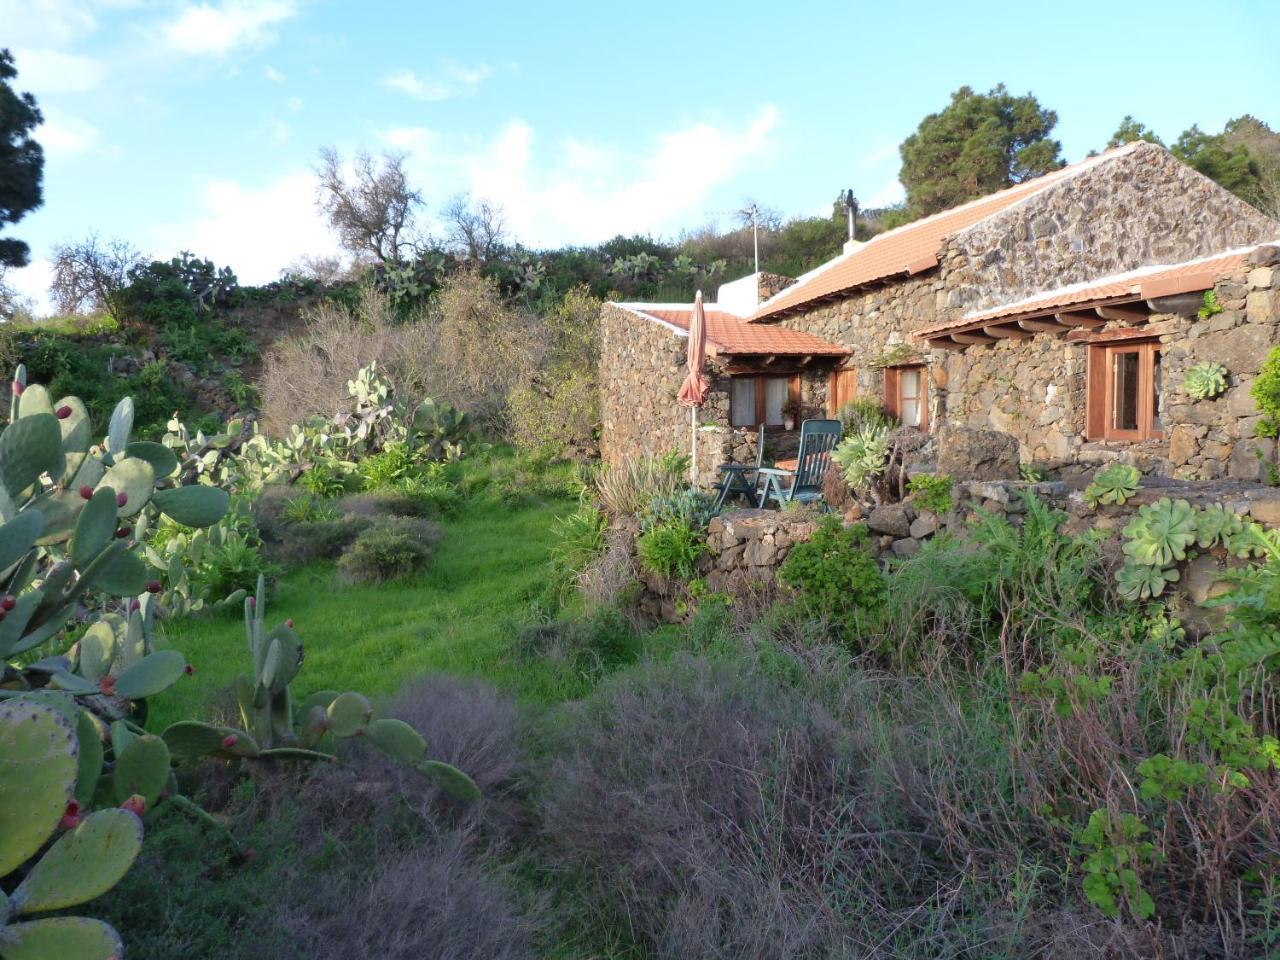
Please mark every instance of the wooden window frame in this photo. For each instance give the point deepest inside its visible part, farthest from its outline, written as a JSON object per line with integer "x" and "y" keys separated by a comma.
{"x": 893, "y": 392}
{"x": 1101, "y": 386}
{"x": 793, "y": 393}
{"x": 834, "y": 392}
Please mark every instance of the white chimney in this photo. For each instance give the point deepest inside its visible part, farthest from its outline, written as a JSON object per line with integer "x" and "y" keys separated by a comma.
{"x": 740, "y": 297}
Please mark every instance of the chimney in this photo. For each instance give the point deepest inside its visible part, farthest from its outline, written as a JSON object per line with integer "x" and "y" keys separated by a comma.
{"x": 851, "y": 208}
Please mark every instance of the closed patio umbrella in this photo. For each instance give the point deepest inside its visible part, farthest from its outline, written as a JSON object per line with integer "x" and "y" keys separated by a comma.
{"x": 693, "y": 392}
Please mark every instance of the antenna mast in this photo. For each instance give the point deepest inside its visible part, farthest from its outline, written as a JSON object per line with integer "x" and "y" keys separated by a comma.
{"x": 755, "y": 234}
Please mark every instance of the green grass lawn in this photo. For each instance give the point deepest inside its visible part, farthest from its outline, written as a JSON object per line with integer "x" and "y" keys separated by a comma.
{"x": 461, "y": 616}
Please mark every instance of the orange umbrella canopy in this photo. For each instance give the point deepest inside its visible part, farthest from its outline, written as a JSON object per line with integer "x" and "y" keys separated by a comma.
{"x": 694, "y": 389}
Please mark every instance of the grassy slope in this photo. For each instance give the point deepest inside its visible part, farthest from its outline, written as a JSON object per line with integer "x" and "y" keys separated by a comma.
{"x": 461, "y": 616}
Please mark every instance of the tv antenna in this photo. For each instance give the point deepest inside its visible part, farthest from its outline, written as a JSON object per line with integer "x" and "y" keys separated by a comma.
{"x": 752, "y": 211}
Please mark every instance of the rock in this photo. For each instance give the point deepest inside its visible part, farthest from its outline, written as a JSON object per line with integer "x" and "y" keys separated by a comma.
{"x": 1240, "y": 402}
{"x": 1245, "y": 462}
{"x": 970, "y": 454}
{"x": 1262, "y": 308}
{"x": 1263, "y": 255}
{"x": 1202, "y": 579}
{"x": 760, "y": 553}
{"x": 1182, "y": 444}
{"x": 1266, "y": 512}
{"x": 905, "y": 547}
{"x": 925, "y": 525}
{"x": 1261, "y": 278}
{"x": 890, "y": 519}
{"x": 1241, "y": 350}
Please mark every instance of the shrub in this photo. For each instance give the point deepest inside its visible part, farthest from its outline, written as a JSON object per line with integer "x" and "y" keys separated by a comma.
{"x": 584, "y": 647}
{"x": 625, "y": 488}
{"x": 388, "y": 550}
{"x": 833, "y": 571}
{"x": 932, "y": 493}
{"x": 309, "y": 509}
{"x": 671, "y": 549}
{"x": 692, "y": 507}
{"x": 324, "y": 481}
{"x": 232, "y": 565}
{"x": 862, "y": 455}
{"x": 863, "y": 413}
{"x": 580, "y": 539}
{"x": 390, "y": 467}
{"x": 1266, "y": 394}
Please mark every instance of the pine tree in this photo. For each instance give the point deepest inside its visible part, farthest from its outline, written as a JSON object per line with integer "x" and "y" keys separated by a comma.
{"x": 21, "y": 160}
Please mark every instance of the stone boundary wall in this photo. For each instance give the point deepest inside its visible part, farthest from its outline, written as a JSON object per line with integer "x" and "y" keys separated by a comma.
{"x": 745, "y": 548}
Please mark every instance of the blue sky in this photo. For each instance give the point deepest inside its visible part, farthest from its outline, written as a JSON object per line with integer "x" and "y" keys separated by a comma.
{"x": 196, "y": 125}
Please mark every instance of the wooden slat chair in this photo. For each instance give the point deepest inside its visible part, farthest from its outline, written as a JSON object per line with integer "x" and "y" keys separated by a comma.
{"x": 740, "y": 478}
{"x": 803, "y": 484}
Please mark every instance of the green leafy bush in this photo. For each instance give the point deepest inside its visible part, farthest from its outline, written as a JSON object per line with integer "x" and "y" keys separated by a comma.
{"x": 324, "y": 481}
{"x": 390, "y": 467}
{"x": 671, "y": 549}
{"x": 310, "y": 509}
{"x": 232, "y": 565}
{"x": 388, "y": 550}
{"x": 864, "y": 412}
{"x": 932, "y": 493}
{"x": 1266, "y": 394}
{"x": 833, "y": 571}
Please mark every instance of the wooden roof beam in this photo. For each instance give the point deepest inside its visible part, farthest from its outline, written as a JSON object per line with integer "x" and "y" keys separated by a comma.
{"x": 1004, "y": 332}
{"x": 972, "y": 336}
{"x": 1042, "y": 325}
{"x": 1077, "y": 318}
{"x": 1126, "y": 312}
{"x": 946, "y": 343}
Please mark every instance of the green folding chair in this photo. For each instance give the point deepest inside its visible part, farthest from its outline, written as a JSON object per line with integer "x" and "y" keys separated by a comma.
{"x": 740, "y": 478}
{"x": 803, "y": 484}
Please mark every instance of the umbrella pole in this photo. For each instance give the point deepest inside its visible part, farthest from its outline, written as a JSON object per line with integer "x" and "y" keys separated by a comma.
{"x": 693, "y": 446}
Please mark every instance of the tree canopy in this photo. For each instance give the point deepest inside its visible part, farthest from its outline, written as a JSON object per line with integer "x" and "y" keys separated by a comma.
{"x": 1131, "y": 130}
{"x": 21, "y": 160}
{"x": 980, "y": 143}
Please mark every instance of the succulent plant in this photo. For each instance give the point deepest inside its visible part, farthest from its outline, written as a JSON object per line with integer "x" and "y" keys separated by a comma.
{"x": 1161, "y": 533}
{"x": 1205, "y": 380}
{"x": 276, "y": 729}
{"x": 862, "y": 454}
{"x": 1140, "y": 581}
{"x": 1215, "y": 525}
{"x": 40, "y": 761}
{"x": 1112, "y": 485}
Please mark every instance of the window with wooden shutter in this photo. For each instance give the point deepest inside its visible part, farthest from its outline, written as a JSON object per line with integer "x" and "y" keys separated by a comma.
{"x": 842, "y": 387}
{"x": 906, "y": 395}
{"x": 758, "y": 398}
{"x": 1122, "y": 394}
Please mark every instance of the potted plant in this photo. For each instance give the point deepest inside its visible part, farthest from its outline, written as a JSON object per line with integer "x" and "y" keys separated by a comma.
{"x": 791, "y": 412}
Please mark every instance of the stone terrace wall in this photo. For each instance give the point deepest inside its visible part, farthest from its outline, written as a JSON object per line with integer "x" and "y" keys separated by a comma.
{"x": 1140, "y": 208}
{"x": 1035, "y": 388}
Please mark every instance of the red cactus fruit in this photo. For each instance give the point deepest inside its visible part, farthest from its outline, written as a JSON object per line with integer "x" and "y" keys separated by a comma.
{"x": 134, "y": 605}
{"x": 8, "y": 602}
{"x": 86, "y": 491}
{"x": 121, "y": 499}
{"x": 189, "y": 670}
{"x": 63, "y": 412}
{"x": 289, "y": 623}
{"x": 122, "y": 533}
{"x": 18, "y": 388}
{"x": 137, "y": 805}
{"x": 107, "y": 685}
{"x": 253, "y": 602}
{"x": 154, "y": 586}
{"x": 229, "y": 741}
{"x": 70, "y": 816}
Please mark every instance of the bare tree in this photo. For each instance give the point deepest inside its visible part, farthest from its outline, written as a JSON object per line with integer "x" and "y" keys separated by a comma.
{"x": 477, "y": 228}
{"x": 373, "y": 211}
{"x": 89, "y": 274}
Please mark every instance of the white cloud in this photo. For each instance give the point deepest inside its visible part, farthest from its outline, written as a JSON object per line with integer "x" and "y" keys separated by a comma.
{"x": 890, "y": 193}
{"x": 274, "y": 75}
{"x": 46, "y": 22}
{"x": 579, "y": 191}
{"x": 32, "y": 282}
{"x": 219, "y": 28}
{"x": 453, "y": 80}
{"x": 63, "y": 135}
{"x": 255, "y": 230}
{"x": 43, "y": 70}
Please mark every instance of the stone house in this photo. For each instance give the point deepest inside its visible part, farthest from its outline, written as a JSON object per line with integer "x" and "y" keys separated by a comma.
{"x": 1062, "y": 310}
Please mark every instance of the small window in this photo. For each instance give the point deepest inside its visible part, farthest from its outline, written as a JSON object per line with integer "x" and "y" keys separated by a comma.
{"x": 755, "y": 399}
{"x": 906, "y": 395}
{"x": 1123, "y": 394}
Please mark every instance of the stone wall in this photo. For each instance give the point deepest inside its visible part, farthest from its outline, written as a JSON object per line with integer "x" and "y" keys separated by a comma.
{"x": 1035, "y": 388}
{"x": 745, "y": 548}
{"x": 1141, "y": 207}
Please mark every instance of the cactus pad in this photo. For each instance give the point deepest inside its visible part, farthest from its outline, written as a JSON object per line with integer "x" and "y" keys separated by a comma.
{"x": 134, "y": 478}
{"x": 194, "y": 506}
{"x": 29, "y": 447}
{"x": 38, "y": 759}
{"x": 349, "y": 714}
{"x": 72, "y": 938}
{"x": 152, "y": 674}
{"x": 450, "y": 779}
{"x": 143, "y": 768}
{"x": 86, "y": 862}
{"x": 399, "y": 741}
{"x": 95, "y": 527}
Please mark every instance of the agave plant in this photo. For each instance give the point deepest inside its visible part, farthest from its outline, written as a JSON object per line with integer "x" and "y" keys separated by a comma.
{"x": 862, "y": 455}
{"x": 1113, "y": 485}
{"x": 1205, "y": 380}
{"x": 1161, "y": 533}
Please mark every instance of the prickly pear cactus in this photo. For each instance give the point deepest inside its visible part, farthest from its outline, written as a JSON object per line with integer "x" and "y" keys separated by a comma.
{"x": 71, "y": 516}
{"x": 39, "y": 759}
{"x": 276, "y": 729}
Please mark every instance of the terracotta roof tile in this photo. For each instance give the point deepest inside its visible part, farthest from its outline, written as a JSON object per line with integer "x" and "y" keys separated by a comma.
{"x": 728, "y": 334}
{"x": 1144, "y": 283}
{"x": 914, "y": 247}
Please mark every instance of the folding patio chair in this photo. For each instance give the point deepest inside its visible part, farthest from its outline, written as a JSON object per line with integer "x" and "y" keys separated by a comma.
{"x": 803, "y": 484}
